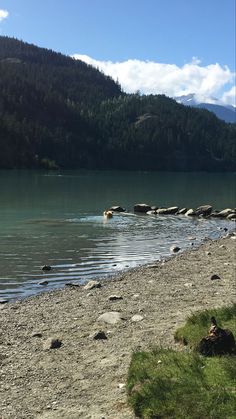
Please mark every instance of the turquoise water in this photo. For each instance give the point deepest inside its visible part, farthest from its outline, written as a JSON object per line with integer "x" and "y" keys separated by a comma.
{"x": 56, "y": 219}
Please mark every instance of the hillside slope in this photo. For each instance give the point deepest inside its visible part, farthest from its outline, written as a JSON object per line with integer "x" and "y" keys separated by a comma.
{"x": 59, "y": 112}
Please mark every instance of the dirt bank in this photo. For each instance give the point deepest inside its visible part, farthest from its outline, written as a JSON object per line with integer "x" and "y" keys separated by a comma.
{"x": 83, "y": 378}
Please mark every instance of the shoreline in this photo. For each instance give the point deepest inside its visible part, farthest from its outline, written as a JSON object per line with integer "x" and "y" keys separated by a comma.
{"x": 85, "y": 377}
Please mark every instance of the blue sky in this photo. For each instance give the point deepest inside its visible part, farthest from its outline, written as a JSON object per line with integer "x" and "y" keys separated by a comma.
{"x": 155, "y": 46}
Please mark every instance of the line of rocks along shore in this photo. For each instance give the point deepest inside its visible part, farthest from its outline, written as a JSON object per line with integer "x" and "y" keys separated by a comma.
{"x": 201, "y": 211}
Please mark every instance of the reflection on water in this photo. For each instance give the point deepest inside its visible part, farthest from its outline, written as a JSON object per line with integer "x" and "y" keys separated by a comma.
{"x": 57, "y": 220}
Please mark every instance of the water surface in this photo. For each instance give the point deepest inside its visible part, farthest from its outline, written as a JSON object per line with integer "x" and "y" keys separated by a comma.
{"x": 56, "y": 218}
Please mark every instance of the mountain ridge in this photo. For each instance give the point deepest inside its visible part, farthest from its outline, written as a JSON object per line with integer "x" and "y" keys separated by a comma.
{"x": 225, "y": 112}
{"x": 57, "y": 112}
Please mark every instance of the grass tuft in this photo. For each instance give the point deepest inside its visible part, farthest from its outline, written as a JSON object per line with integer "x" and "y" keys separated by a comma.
{"x": 197, "y": 326}
{"x": 164, "y": 383}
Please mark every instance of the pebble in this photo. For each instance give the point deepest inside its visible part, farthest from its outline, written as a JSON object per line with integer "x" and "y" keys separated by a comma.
{"x": 92, "y": 284}
{"x": 214, "y": 277}
{"x": 36, "y": 335}
{"x": 43, "y": 283}
{"x": 71, "y": 284}
{"x": 175, "y": 249}
{"x": 46, "y": 268}
{"x": 111, "y": 317}
{"x": 2, "y": 301}
{"x": 98, "y": 335}
{"x": 52, "y": 343}
{"x": 115, "y": 297}
{"x": 136, "y": 318}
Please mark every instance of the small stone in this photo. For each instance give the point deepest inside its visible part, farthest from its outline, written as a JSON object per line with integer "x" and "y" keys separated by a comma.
{"x": 115, "y": 297}
{"x": 208, "y": 253}
{"x": 72, "y": 285}
{"x": 121, "y": 385}
{"x": 43, "y": 283}
{"x": 92, "y": 284}
{"x": 215, "y": 277}
{"x": 111, "y": 317}
{"x": 136, "y": 318}
{"x": 46, "y": 268}
{"x": 175, "y": 249}
{"x": 52, "y": 343}
{"x": 36, "y": 335}
{"x": 98, "y": 335}
{"x": 2, "y": 301}
{"x": 188, "y": 284}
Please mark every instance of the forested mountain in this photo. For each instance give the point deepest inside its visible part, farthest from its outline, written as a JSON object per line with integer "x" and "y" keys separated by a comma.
{"x": 59, "y": 112}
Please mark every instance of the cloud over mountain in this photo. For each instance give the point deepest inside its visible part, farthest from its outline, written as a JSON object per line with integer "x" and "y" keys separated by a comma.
{"x": 151, "y": 77}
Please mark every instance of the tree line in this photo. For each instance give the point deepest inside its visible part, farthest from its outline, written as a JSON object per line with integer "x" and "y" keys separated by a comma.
{"x": 59, "y": 112}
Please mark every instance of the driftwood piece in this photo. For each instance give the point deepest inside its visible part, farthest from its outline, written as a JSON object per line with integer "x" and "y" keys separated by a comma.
{"x": 217, "y": 342}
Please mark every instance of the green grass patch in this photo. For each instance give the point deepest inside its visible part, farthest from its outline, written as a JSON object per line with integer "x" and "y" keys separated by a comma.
{"x": 164, "y": 383}
{"x": 197, "y": 326}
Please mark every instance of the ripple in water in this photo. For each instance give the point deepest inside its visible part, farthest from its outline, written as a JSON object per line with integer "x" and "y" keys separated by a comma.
{"x": 89, "y": 247}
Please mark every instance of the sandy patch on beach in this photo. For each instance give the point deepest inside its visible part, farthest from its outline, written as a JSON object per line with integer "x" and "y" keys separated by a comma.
{"x": 84, "y": 377}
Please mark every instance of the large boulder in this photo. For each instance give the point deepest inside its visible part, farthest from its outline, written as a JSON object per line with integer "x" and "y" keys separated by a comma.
{"x": 117, "y": 208}
{"x": 182, "y": 211}
{"x": 142, "y": 208}
{"x": 190, "y": 213}
{"x": 167, "y": 211}
{"x": 224, "y": 213}
{"x": 232, "y": 216}
{"x": 204, "y": 210}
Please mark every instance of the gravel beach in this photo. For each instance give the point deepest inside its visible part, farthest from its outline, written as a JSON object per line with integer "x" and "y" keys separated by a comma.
{"x": 85, "y": 374}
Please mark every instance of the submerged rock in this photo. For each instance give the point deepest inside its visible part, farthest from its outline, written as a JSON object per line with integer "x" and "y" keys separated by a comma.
{"x": 43, "y": 283}
{"x": 175, "y": 249}
{"x": 46, "y": 268}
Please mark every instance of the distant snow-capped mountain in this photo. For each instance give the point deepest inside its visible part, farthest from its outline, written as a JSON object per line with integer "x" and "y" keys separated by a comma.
{"x": 227, "y": 113}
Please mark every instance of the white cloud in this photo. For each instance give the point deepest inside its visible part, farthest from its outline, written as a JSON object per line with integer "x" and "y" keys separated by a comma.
{"x": 151, "y": 77}
{"x": 3, "y": 14}
{"x": 229, "y": 97}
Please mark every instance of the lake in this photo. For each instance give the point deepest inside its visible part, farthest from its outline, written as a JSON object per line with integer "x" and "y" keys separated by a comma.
{"x": 56, "y": 219}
